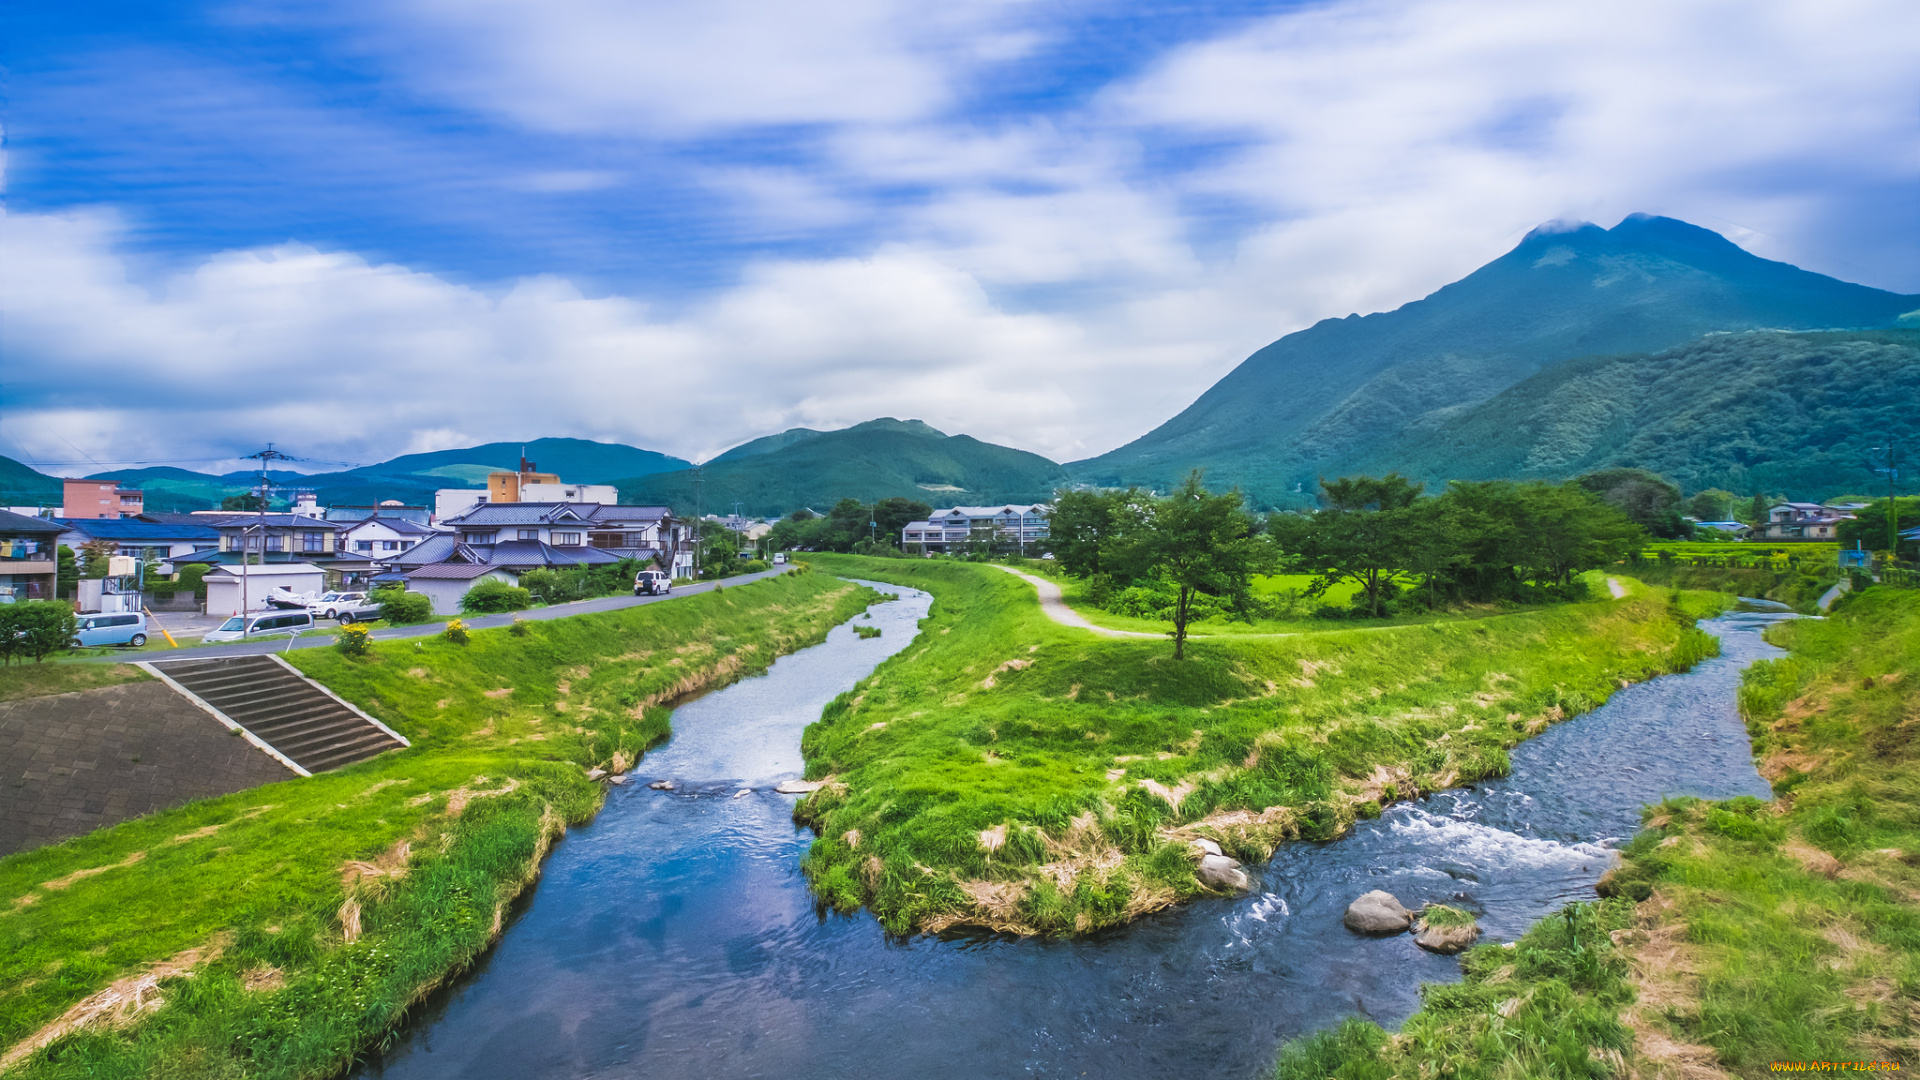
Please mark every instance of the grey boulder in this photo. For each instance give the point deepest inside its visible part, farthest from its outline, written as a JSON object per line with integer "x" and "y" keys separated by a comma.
{"x": 1221, "y": 872}
{"x": 1378, "y": 912}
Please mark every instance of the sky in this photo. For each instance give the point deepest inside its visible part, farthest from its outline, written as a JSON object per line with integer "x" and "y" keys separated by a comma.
{"x": 362, "y": 228}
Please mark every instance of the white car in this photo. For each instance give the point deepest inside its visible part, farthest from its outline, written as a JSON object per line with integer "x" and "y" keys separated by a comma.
{"x": 261, "y": 623}
{"x": 651, "y": 583}
{"x": 329, "y": 604}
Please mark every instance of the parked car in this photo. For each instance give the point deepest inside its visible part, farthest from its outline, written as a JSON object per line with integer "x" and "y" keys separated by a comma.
{"x": 124, "y": 628}
{"x": 779, "y": 557}
{"x": 261, "y": 624}
{"x": 360, "y": 610}
{"x": 329, "y": 604}
{"x": 651, "y": 583}
{"x": 287, "y": 600}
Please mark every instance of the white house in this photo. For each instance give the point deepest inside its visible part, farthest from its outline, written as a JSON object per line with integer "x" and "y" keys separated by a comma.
{"x": 1013, "y": 526}
{"x": 224, "y": 584}
{"x": 383, "y": 537}
{"x": 452, "y": 502}
{"x": 445, "y": 583}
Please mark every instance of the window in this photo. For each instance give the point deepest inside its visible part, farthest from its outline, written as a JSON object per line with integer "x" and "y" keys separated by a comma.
{"x": 405, "y": 544}
{"x": 363, "y": 545}
{"x": 389, "y": 545}
{"x": 253, "y": 543}
{"x": 566, "y": 539}
{"x": 529, "y": 534}
{"x": 479, "y": 537}
{"x": 313, "y": 541}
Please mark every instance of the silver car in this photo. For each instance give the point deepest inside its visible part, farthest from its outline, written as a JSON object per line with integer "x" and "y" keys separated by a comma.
{"x": 121, "y": 628}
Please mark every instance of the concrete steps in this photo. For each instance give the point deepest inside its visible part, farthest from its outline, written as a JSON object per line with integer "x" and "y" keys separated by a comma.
{"x": 280, "y": 710}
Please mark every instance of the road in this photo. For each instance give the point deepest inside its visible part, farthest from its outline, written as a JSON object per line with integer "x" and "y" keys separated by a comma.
{"x": 319, "y": 638}
{"x": 1054, "y": 603}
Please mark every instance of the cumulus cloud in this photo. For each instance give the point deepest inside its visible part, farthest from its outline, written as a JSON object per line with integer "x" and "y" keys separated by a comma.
{"x": 1055, "y": 278}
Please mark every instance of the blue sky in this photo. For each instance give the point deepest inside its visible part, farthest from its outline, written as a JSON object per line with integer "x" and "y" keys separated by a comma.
{"x": 360, "y": 229}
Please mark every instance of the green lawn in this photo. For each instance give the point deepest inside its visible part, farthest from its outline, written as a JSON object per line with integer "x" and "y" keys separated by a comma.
{"x": 61, "y": 676}
{"x": 505, "y": 725}
{"x": 1011, "y": 772}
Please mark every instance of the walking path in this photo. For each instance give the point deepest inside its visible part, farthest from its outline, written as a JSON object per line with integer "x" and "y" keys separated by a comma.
{"x": 1054, "y": 603}
{"x": 1618, "y": 590}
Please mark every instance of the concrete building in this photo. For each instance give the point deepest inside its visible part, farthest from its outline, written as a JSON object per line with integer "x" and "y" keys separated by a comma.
{"x": 1010, "y": 527}
{"x": 445, "y": 583}
{"x": 99, "y": 499}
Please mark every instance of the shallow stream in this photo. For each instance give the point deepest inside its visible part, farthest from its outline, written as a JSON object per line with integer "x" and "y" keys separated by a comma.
{"x": 675, "y": 935}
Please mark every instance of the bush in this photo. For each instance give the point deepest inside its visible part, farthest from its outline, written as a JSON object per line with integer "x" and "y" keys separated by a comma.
{"x": 494, "y": 595}
{"x": 35, "y": 628}
{"x": 456, "y": 632}
{"x": 400, "y": 606}
{"x": 353, "y": 640}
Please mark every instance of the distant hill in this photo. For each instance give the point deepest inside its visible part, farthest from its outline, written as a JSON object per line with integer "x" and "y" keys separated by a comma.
{"x": 173, "y": 490}
{"x": 577, "y": 461}
{"x": 1792, "y": 413}
{"x": 1346, "y": 389}
{"x": 22, "y": 485}
{"x": 870, "y": 461}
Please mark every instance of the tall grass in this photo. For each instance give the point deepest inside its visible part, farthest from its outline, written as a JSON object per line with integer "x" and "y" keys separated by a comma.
{"x": 1097, "y": 759}
{"x": 506, "y": 725}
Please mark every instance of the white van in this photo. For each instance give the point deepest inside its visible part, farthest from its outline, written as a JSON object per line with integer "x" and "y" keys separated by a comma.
{"x": 260, "y": 624}
{"x": 119, "y": 628}
{"x": 779, "y": 557}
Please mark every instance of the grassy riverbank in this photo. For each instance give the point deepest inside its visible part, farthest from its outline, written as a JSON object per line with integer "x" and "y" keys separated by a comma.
{"x": 1010, "y": 772}
{"x": 311, "y": 912}
{"x": 1740, "y": 933}
{"x": 1797, "y": 587}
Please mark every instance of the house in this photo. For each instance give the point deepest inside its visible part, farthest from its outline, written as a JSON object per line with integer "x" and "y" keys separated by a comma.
{"x": 29, "y": 568}
{"x": 1802, "y": 521}
{"x": 291, "y": 536}
{"x": 379, "y": 537}
{"x": 141, "y": 538}
{"x": 445, "y": 583}
{"x": 234, "y": 590}
{"x": 1012, "y": 526}
{"x": 528, "y": 535}
{"x": 99, "y": 499}
{"x": 452, "y": 502}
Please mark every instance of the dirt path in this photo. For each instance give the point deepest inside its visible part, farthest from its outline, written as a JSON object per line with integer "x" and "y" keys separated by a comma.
{"x": 1055, "y": 605}
{"x": 1618, "y": 590}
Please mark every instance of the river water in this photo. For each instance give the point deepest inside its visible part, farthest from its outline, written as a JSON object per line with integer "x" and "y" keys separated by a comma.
{"x": 675, "y": 936}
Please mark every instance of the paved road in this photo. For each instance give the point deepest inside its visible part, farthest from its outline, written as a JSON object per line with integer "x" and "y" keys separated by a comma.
{"x": 320, "y": 638}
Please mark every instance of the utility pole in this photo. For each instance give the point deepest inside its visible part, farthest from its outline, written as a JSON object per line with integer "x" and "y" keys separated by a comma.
{"x": 264, "y": 456}
{"x": 699, "y": 505}
{"x": 1892, "y": 450}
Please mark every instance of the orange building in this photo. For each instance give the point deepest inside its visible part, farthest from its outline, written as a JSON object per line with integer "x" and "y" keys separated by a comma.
{"x": 504, "y": 486}
{"x": 99, "y": 499}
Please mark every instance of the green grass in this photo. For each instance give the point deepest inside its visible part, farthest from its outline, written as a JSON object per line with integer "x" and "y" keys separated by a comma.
{"x": 262, "y": 869}
{"x": 1796, "y": 925}
{"x": 1000, "y": 719}
{"x": 62, "y": 677}
{"x": 1799, "y": 588}
{"x": 1738, "y": 933}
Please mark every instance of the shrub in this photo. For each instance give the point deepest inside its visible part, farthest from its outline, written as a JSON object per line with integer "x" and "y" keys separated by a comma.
{"x": 353, "y": 640}
{"x": 519, "y": 628}
{"x": 494, "y": 595}
{"x": 401, "y": 606}
{"x": 456, "y": 632}
{"x": 36, "y": 628}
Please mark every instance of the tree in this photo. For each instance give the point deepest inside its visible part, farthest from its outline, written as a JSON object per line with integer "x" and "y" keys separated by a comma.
{"x": 894, "y": 513}
{"x": 1204, "y": 545}
{"x": 1869, "y": 525}
{"x": 93, "y": 557}
{"x": 251, "y": 503}
{"x": 1369, "y": 531}
{"x": 1081, "y": 522}
{"x": 1646, "y": 498}
{"x": 1713, "y": 504}
{"x": 36, "y": 628}
{"x": 67, "y": 572}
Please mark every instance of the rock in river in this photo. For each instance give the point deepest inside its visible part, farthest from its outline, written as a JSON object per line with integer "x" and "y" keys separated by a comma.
{"x": 1445, "y": 929}
{"x": 799, "y": 787}
{"x": 1378, "y": 912}
{"x": 1220, "y": 872}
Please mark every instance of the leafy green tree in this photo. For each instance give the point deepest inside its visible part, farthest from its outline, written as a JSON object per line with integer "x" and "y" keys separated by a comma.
{"x": 1757, "y": 510}
{"x": 93, "y": 558}
{"x": 1869, "y": 525}
{"x": 36, "y": 628}
{"x": 893, "y": 515}
{"x": 67, "y": 571}
{"x": 400, "y": 606}
{"x": 250, "y": 503}
{"x": 494, "y": 595}
{"x": 1713, "y": 504}
{"x": 1367, "y": 533}
{"x": 1647, "y": 499}
{"x": 1084, "y": 523}
{"x": 1206, "y": 546}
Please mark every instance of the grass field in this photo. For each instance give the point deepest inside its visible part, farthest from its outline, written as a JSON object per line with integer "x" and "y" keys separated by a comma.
{"x": 1010, "y": 772}
{"x": 1738, "y": 934}
{"x": 419, "y": 850}
{"x": 62, "y": 677}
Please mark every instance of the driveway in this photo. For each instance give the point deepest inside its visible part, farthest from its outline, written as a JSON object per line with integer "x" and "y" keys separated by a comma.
{"x": 321, "y": 638}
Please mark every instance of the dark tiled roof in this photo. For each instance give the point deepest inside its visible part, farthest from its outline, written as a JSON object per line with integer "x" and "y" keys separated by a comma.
{"x": 489, "y": 515}
{"x": 431, "y": 550}
{"x": 454, "y": 571}
{"x": 22, "y": 525}
{"x": 160, "y": 518}
{"x": 278, "y": 521}
{"x": 397, "y": 524}
{"x": 130, "y": 529}
{"x": 531, "y": 553}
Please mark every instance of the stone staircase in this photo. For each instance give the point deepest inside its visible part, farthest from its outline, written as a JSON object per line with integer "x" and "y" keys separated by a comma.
{"x": 279, "y": 710}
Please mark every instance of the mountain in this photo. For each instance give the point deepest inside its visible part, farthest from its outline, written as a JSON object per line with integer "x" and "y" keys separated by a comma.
{"x": 22, "y": 485}
{"x": 577, "y": 461}
{"x": 1347, "y": 389}
{"x": 869, "y": 461}
{"x": 1791, "y": 413}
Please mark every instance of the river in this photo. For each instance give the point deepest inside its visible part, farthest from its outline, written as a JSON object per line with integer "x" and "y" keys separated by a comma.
{"x": 675, "y": 935}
